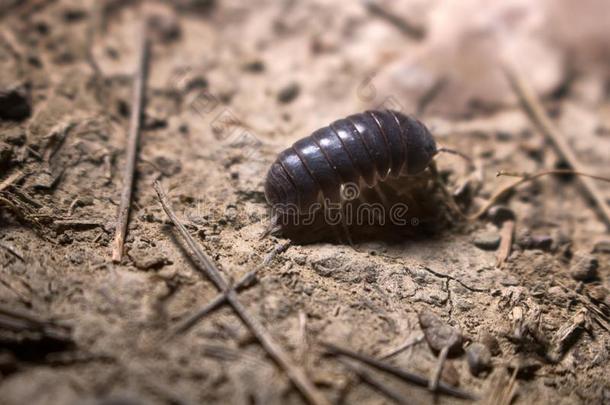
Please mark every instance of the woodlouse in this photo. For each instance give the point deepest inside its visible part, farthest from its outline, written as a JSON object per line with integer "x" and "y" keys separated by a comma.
{"x": 362, "y": 149}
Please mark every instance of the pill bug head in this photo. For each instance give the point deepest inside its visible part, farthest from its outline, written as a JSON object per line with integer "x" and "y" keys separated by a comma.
{"x": 279, "y": 191}
{"x": 421, "y": 146}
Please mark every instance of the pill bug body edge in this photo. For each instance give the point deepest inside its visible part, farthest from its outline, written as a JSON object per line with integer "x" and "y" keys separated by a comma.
{"x": 364, "y": 148}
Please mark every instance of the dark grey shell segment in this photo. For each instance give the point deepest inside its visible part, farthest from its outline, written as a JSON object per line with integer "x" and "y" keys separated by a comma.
{"x": 363, "y": 148}
{"x": 355, "y": 148}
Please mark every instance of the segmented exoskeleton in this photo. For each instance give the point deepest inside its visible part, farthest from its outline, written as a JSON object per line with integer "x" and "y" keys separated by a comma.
{"x": 363, "y": 148}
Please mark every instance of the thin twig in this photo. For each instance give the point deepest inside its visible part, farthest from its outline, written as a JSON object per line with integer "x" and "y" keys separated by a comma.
{"x": 13, "y": 178}
{"x": 185, "y": 325}
{"x": 16, "y": 313}
{"x": 412, "y": 378}
{"x": 247, "y": 280}
{"x": 303, "y": 345}
{"x": 598, "y": 313}
{"x": 296, "y": 375}
{"x": 410, "y": 342}
{"x": 406, "y": 27}
{"x": 525, "y": 178}
{"x": 12, "y": 44}
{"x": 509, "y": 391}
{"x": 18, "y": 321}
{"x": 12, "y": 251}
{"x": 530, "y": 176}
{"x": 507, "y": 233}
{"x": 534, "y": 110}
{"x": 502, "y": 389}
{"x": 436, "y": 375}
{"x": 92, "y": 28}
{"x": 374, "y": 382}
{"x": 132, "y": 146}
{"x": 430, "y": 95}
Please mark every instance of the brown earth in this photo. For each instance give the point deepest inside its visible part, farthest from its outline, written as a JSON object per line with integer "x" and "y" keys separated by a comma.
{"x": 232, "y": 83}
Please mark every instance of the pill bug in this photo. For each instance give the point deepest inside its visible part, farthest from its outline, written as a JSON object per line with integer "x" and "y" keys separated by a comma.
{"x": 363, "y": 149}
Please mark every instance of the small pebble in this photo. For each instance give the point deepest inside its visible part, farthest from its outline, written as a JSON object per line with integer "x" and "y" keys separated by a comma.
{"x": 602, "y": 246}
{"x": 487, "y": 241}
{"x": 556, "y": 290}
{"x": 584, "y": 267}
{"x": 289, "y": 93}
{"x": 74, "y": 14}
{"x": 198, "y": 83}
{"x": 14, "y": 104}
{"x": 165, "y": 27}
{"x": 168, "y": 167}
{"x": 504, "y": 136}
{"x": 152, "y": 122}
{"x": 540, "y": 242}
{"x": 499, "y": 214}
{"x": 478, "y": 357}
{"x": 148, "y": 260}
{"x": 438, "y": 333}
{"x": 491, "y": 342}
{"x": 254, "y": 66}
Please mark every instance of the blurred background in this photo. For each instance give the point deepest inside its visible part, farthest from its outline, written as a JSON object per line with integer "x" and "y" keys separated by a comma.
{"x": 230, "y": 84}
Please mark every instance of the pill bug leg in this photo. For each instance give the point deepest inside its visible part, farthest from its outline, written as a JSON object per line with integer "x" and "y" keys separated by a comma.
{"x": 340, "y": 230}
{"x": 369, "y": 211}
{"x": 382, "y": 197}
{"x": 345, "y": 223}
{"x": 337, "y": 232}
{"x": 273, "y": 227}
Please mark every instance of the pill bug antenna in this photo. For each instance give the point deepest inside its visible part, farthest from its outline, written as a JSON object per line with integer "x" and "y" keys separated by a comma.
{"x": 467, "y": 158}
{"x": 273, "y": 227}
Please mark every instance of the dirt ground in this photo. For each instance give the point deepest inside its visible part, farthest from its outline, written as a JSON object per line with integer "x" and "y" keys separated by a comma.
{"x": 232, "y": 83}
